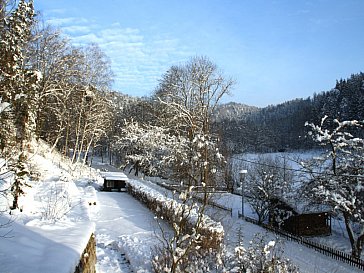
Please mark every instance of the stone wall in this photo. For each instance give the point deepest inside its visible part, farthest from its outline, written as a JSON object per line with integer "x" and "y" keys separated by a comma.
{"x": 88, "y": 258}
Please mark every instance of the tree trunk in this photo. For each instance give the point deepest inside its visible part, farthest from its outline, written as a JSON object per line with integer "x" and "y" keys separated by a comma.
{"x": 359, "y": 245}
{"x": 87, "y": 150}
{"x": 356, "y": 245}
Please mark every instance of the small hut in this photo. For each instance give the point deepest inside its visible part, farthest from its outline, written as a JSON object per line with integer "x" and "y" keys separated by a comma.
{"x": 302, "y": 218}
{"x": 114, "y": 181}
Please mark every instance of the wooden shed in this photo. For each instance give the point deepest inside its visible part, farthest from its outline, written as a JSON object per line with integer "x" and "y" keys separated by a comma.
{"x": 309, "y": 224}
{"x": 115, "y": 181}
{"x": 303, "y": 218}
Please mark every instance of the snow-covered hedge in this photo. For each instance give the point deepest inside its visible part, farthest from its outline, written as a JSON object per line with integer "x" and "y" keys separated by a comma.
{"x": 212, "y": 232}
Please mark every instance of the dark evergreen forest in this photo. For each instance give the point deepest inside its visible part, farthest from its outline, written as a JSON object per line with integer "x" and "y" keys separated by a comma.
{"x": 282, "y": 127}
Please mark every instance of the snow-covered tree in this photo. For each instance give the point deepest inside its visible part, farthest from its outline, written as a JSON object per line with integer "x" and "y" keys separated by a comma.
{"x": 19, "y": 86}
{"x": 21, "y": 174}
{"x": 189, "y": 95}
{"x": 337, "y": 177}
{"x": 149, "y": 149}
{"x": 156, "y": 150}
{"x": 268, "y": 180}
{"x": 18, "y": 83}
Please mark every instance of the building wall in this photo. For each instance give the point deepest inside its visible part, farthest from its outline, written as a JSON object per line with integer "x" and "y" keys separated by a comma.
{"x": 308, "y": 224}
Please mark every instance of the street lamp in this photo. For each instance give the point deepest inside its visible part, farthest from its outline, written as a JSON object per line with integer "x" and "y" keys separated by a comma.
{"x": 242, "y": 174}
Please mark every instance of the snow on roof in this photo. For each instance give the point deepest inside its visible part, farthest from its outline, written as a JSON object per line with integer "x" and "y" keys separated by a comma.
{"x": 114, "y": 176}
{"x": 303, "y": 205}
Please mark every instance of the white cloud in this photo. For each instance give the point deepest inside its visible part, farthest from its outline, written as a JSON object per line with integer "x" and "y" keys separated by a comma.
{"x": 77, "y": 29}
{"x": 85, "y": 39}
{"x": 137, "y": 58}
{"x": 64, "y": 21}
{"x": 56, "y": 11}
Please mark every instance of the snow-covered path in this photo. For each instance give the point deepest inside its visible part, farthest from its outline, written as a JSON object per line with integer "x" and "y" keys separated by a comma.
{"x": 125, "y": 230}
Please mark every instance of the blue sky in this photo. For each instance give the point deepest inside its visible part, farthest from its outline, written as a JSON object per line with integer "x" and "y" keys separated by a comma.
{"x": 275, "y": 50}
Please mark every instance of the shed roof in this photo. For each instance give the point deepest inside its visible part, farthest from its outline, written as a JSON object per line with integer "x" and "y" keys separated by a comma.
{"x": 114, "y": 176}
{"x": 302, "y": 205}
{"x": 306, "y": 207}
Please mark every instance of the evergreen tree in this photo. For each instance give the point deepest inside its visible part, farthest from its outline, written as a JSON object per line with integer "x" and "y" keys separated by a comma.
{"x": 18, "y": 83}
{"x": 18, "y": 88}
{"x": 21, "y": 172}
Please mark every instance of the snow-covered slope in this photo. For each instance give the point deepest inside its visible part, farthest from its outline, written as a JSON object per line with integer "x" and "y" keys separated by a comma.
{"x": 52, "y": 228}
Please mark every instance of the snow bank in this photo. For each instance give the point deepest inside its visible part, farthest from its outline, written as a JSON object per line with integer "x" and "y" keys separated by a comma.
{"x": 136, "y": 248}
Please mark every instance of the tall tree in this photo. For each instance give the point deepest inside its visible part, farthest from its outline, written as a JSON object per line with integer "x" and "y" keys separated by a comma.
{"x": 19, "y": 84}
{"x": 18, "y": 87}
{"x": 190, "y": 94}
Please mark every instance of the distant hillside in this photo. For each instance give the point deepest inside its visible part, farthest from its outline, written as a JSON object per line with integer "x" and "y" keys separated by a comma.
{"x": 234, "y": 111}
{"x": 281, "y": 127}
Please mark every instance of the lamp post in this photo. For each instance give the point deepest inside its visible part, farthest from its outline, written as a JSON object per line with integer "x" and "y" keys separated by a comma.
{"x": 242, "y": 174}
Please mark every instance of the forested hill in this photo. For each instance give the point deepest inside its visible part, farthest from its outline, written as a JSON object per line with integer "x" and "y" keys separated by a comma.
{"x": 281, "y": 127}
{"x": 234, "y": 111}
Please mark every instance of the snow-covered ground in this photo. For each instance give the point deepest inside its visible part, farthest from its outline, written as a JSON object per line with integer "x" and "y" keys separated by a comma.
{"x": 52, "y": 228}
{"x": 124, "y": 228}
{"x": 307, "y": 259}
{"x": 60, "y": 211}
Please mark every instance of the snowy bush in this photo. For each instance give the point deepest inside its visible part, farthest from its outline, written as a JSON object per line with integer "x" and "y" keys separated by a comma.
{"x": 191, "y": 247}
{"x": 196, "y": 261}
{"x": 58, "y": 203}
{"x": 211, "y": 232}
{"x": 260, "y": 257}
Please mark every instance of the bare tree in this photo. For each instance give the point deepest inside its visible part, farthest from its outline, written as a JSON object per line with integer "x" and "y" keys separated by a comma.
{"x": 6, "y": 7}
{"x": 268, "y": 180}
{"x": 93, "y": 120}
{"x": 93, "y": 111}
{"x": 73, "y": 111}
{"x": 189, "y": 95}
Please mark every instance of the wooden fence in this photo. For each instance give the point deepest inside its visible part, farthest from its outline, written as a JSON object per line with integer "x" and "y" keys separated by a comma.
{"x": 326, "y": 250}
